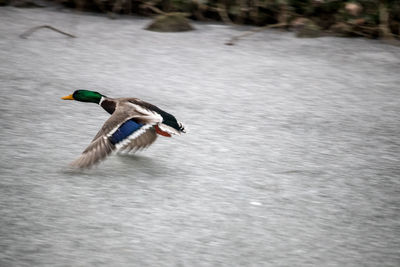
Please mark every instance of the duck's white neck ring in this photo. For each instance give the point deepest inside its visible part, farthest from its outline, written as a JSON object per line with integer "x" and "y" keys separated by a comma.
{"x": 101, "y": 100}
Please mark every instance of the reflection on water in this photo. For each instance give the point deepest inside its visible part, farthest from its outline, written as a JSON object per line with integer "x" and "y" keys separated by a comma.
{"x": 291, "y": 159}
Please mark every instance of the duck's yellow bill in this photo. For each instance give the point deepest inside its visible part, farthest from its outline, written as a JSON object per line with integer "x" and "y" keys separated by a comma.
{"x": 68, "y": 97}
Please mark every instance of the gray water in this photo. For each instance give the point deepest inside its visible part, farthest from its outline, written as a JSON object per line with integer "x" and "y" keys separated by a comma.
{"x": 292, "y": 155}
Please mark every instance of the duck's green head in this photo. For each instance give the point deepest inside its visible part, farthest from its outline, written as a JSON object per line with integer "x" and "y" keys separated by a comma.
{"x": 84, "y": 96}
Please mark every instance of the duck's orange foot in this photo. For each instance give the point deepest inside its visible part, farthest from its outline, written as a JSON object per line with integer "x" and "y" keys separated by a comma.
{"x": 160, "y": 132}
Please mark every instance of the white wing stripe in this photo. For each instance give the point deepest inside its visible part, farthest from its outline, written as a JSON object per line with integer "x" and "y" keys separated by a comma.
{"x": 133, "y": 136}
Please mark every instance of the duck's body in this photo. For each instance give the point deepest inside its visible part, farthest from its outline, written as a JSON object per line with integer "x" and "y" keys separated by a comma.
{"x": 134, "y": 124}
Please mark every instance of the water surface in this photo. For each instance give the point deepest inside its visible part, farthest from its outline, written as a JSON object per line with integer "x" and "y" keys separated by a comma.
{"x": 292, "y": 155}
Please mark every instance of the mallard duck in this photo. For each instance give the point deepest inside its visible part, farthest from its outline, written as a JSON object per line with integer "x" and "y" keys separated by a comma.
{"x": 133, "y": 125}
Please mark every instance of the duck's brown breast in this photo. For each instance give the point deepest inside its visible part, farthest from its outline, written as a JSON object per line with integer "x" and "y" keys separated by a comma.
{"x": 108, "y": 105}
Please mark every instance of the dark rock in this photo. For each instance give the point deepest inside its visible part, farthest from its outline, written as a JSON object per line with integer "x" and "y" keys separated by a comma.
{"x": 341, "y": 29}
{"x": 298, "y": 23}
{"x": 25, "y": 3}
{"x": 306, "y": 28}
{"x": 171, "y": 22}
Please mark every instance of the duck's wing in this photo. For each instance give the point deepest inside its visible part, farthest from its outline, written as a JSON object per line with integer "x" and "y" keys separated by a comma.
{"x": 127, "y": 128}
{"x": 169, "y": 124}
{"x": 141, "y": 142}
{"x": 127, "y": 110}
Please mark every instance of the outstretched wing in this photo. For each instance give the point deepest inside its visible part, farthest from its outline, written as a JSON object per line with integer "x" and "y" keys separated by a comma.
{"x": 141, "y": 142}
{"x": 169, "y": 123}
{"x": 122, "y": 130}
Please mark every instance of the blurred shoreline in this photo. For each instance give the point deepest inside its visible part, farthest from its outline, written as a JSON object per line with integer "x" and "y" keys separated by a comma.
{"x": 310, "y": 18}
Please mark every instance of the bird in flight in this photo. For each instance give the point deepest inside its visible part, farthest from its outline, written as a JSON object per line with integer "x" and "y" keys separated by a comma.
{"x": 133, "y": 125}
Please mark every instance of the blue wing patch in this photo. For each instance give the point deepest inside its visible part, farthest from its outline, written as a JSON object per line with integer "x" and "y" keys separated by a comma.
{"x": 125, "y": 130}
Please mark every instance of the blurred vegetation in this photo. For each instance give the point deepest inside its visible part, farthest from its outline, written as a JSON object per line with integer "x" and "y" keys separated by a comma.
{"x": 309, "y": 18}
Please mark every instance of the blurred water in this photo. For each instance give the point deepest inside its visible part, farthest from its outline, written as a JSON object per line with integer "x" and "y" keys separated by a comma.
{"x": 292, "y": 158}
